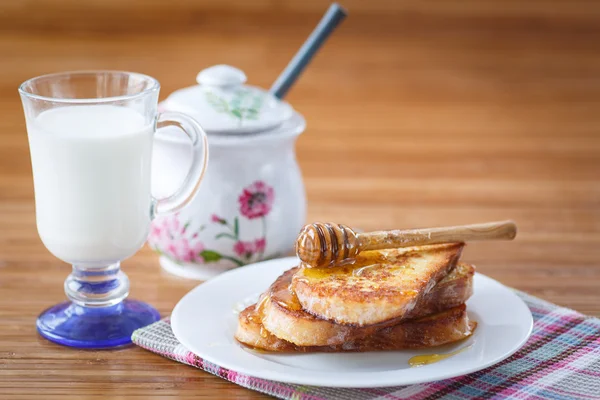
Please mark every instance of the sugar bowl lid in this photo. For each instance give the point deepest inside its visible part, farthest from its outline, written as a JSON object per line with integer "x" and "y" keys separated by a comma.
{"x": 222, "y": 104}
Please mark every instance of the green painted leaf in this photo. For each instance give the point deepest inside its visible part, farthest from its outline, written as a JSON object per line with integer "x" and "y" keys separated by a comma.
{"x": 237, "y": 113}
{"x": 235, "y": 260}
{"x": 218, "y": 103}
{"x": 236, "y": 227}
{"x": 185, "y": 227}
{"x": 210, "y": 255}
{"x": 222, "y": 235}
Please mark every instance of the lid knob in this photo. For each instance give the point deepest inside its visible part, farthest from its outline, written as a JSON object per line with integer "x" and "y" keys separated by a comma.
{"x": 221, "y": 75}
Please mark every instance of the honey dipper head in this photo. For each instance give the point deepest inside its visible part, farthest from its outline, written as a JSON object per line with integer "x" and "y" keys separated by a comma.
{"x": 326, "y": 245}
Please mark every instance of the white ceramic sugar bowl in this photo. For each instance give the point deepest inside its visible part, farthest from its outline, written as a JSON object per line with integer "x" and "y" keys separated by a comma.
{"x": 251, "y": 204}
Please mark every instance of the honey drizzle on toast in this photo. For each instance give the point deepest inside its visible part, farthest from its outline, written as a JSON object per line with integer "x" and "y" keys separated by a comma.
{"x": 286, "y": 298}
{"x": 365, "y": 262}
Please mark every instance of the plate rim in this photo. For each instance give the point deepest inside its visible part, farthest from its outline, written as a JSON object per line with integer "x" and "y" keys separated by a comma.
{"x": 279, "y": 376}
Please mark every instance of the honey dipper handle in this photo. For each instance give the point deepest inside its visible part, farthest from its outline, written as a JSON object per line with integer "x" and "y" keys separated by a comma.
{"x": 502, "y": 230}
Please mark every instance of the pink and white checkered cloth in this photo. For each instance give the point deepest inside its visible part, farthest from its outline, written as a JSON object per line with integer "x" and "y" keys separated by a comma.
{"x": 561, "y": 360}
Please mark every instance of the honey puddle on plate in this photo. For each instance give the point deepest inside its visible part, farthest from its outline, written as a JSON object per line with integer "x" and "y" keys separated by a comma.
{"x": 426, "y": 359}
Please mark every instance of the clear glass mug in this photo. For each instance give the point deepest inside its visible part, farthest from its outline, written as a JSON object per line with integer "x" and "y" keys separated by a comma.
{"x": 90, "y": 139}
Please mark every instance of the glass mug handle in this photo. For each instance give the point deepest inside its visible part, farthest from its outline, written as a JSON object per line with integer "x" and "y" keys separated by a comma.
{"x": 185, "y": 193}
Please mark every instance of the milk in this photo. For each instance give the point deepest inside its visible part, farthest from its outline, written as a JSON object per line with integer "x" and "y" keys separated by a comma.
{"x": 91, "y": 171}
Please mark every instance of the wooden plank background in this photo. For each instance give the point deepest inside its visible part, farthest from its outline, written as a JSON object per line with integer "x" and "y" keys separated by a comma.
{"x": 419, "y": 114}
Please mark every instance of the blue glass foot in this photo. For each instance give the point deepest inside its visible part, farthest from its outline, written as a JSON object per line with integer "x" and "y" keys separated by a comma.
{"x": 95, "y": 327}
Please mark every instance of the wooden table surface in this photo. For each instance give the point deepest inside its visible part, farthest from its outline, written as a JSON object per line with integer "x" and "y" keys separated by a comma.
{"x": 418, "y": 115}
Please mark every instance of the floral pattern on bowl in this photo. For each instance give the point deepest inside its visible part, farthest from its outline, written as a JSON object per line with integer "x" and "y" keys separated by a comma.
{"x": 243, "y": 106}
{"x": 173, "y": 239}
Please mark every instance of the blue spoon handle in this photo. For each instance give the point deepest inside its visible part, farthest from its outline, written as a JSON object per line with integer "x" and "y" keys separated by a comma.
{"x": 334, "y": 15}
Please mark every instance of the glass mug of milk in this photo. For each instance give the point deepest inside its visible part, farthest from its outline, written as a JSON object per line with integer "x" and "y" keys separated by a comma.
{"x": 90, "y": 139}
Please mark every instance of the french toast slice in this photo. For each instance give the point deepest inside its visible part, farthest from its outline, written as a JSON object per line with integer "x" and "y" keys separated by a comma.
{"x": 442, "y": 328}
{"x": 382, "y": 285}
{"x": 283, "y": 316}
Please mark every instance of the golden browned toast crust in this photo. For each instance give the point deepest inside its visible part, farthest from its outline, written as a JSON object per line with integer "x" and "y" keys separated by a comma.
{"x": 435, "y": 330}
{"x": 283, "y": 316}
{"x": 456, "y": 288}
{"x": 380, "y": 286}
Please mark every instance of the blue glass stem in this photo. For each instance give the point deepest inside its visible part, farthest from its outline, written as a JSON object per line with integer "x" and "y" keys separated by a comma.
{"x": 97, "y": 286}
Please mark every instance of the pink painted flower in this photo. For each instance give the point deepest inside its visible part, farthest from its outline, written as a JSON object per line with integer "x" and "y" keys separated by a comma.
{"x": 169, "y": 236}
{"x": 191, "y": 252}
{"x": 183, "y": 250}
{"x": 171, "y": 250}
{"x": 155, "y": 232}
{"x": 161, "y": 230}
{"x": 260, "y": 244}
{"x": 169, "y": 225}
{"x": 256, "y": 200}
{"x": 244, "y": 249}
{"x": 217, "y": 219}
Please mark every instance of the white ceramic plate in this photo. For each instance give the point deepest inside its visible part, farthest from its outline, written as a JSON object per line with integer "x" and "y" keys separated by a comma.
{"x": 206, "y": 318}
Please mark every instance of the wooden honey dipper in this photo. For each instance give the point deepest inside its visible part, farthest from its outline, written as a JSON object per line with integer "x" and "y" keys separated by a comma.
{"x": 327, "y": 245}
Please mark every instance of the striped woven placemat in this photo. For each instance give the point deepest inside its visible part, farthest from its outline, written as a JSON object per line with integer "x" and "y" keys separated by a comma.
{"x": 561, "y": 360}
